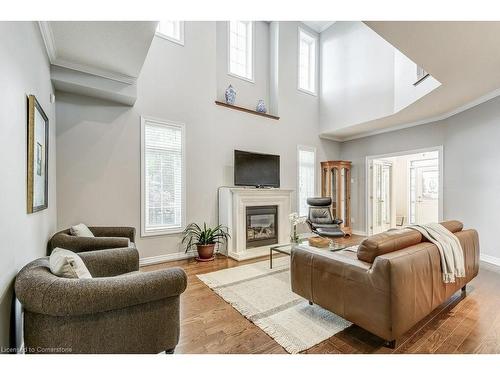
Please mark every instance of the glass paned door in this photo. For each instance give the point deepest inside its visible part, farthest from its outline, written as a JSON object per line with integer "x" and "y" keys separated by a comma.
{"x": 381, "y": 196}
{"x": 424, "y": 191}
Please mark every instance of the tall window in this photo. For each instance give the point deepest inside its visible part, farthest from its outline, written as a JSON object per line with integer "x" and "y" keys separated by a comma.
{"x": 162, "y": 169}
{"x": 306, "y": 160}
{"x": 421, "y": 74}
{"x": 171, "y": 30}
{"x": 307, "y": 61}
{"x": 241, "y": 49}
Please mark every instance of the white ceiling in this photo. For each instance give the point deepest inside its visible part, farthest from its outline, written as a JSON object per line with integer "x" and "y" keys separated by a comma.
{"x": 112, "y": 49}
{"x": 463, "y": 56}
{"x": 318, "y": 26}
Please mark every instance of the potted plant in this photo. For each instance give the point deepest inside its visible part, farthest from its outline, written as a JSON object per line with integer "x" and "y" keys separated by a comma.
{"x": 204, "y": 239}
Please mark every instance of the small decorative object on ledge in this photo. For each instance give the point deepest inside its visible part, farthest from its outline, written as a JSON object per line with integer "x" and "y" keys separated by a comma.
{"x": 242, "y": 109}
{"x": 261, "y": 106}
{"x": 295, "y": 219}
{"x": 230, "y": 95}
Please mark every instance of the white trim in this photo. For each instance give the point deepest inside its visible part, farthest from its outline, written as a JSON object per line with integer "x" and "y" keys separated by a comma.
{"x": 360, "y": 233}
{"x": 491, "y": 95}
{"x": 123, "y": 78}
{"x": 148, "y": 261}
{"x": 228, "y": 44}
{"x": 297, "y": 191}
{"x": 490, "y": 259}
{"x": 48, "y": 40}
{"x": 439, "y": 149}
{"x": 50, "y": 47}
{"x": 179, "y": 41}
{"x": 182, "y": 126}
{"x": 316, "y": 61}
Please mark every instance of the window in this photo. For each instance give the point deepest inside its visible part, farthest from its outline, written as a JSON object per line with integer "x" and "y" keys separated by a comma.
{"x": 163, "y": 175}
{"x": 171, "y": 30}
{"x": 306, "y": 179}
{"x": 421, "y": 74}
{"x": 307, "y": 62}
{"x": 241, "y": 49}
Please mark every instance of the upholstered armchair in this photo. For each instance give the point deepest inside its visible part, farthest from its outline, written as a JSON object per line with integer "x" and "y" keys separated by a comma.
{"x": 105, "y": 238}
{"x": 119, "y": 310}
{"x": 320, "y": 218}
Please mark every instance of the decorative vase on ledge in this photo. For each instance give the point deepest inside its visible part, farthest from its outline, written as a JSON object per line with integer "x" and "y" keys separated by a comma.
{"x": 230, "y": 95}
{"x": 261, "y": 106}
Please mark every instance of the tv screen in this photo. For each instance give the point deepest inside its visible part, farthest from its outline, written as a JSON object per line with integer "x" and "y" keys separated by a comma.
{"x": 252, "y": 169}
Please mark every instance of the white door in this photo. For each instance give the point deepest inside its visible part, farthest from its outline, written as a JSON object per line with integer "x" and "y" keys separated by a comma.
{"x": 424, "y": 191}
{"x": 381, "y": 196}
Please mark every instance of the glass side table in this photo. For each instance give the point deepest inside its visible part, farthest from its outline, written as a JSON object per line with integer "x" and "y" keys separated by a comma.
{"x": 287, "y": 249}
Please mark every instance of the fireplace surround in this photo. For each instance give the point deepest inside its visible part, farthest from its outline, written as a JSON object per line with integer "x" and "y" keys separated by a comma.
{"x": 233, "y": 204}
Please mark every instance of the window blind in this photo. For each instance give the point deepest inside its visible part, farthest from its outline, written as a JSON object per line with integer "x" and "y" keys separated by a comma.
{"x": 163, "y": 167}
{"x": 306, "y": 178}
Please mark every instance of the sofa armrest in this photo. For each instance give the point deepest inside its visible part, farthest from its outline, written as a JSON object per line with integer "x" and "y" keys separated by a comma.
{"x": 416, "y": 280}
{"x": 127, "y": 232}
{"x": 81, "y": 244}
{"x": 111, "y": 262}
{"x": 69, "y": 297}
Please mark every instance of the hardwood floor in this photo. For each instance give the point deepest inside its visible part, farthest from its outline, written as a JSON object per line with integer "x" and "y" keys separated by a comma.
{"x": 466, "y": 324}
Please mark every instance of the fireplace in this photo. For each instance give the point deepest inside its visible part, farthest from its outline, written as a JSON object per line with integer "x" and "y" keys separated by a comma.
{"x": 261, "y": 225}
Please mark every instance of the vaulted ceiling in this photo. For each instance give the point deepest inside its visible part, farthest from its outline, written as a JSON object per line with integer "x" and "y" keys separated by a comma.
{"x": 463, "y": 56}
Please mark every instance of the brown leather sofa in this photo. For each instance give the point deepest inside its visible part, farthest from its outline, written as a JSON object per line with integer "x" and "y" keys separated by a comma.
{"x": 391, "y": 283}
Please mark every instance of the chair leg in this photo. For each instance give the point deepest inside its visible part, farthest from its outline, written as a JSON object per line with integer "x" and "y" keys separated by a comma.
{"x": 310, "y": 303}
{"x": 170, "y": 351}
{"x": 390, "y": 344}
{"x": 464, "y": 288}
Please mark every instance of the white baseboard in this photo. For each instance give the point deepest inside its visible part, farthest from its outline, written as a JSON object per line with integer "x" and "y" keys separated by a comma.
{"x": 490, "y": 259}
{"x": 147, "y": 261}
{"x": 359, "y": 233}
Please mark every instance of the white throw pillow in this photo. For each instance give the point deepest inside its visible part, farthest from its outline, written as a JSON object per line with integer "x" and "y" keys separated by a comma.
{"x": 65, "y": 263}
{"x": 81, "y": 230}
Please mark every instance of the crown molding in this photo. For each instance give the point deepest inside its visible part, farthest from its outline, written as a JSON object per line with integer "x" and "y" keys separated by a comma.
{"x": 48, "y": 40}
{"x": 482, "y": 99}
{"x": 95, "y": 71}
{"x": 50, "y": 46}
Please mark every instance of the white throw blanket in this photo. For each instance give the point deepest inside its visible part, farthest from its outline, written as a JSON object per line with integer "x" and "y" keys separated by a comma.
{"x": 450, "y": 250}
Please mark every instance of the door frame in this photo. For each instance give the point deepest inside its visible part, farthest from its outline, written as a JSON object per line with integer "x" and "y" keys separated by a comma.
{"x": 369, "y": 158}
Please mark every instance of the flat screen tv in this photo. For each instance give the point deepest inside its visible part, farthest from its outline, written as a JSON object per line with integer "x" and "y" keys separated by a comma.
{"x": 253, "y": 169}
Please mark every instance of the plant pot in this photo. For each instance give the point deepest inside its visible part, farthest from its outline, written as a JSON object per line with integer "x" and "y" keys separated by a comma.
{"x": 205, "y": 252}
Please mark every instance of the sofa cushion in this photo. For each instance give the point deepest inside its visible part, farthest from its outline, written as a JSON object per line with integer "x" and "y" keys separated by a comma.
{"x": 81, "y": 230}
{"x": 396, "y": 239}
{"x": 453, "y": 225}
{"x": 65, "y": 263}
{"x": 387, "y": 242}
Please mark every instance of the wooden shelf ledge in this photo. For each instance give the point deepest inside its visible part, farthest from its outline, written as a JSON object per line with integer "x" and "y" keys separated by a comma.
{"x": 242, "y": 109}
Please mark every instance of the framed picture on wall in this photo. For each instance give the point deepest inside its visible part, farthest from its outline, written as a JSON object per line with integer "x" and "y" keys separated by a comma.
{"x": 38, "y": 156}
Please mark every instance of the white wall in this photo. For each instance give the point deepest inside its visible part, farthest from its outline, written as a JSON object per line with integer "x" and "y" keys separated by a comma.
{"x": 24, "y": 70}
{"x": 357, "y": 82}
{"x": 405, "y": 75}
{"x": 247, "y": 93}
{"x": 471, "y": 157}
{"x": 98, "y": 142}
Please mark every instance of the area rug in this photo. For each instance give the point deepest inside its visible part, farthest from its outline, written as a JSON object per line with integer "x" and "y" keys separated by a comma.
{"x": 264, "y": 296}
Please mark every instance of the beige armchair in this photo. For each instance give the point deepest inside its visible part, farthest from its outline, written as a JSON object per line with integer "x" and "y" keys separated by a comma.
{"x": 119, "y": 310}
{"x": 105, "y": 238}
